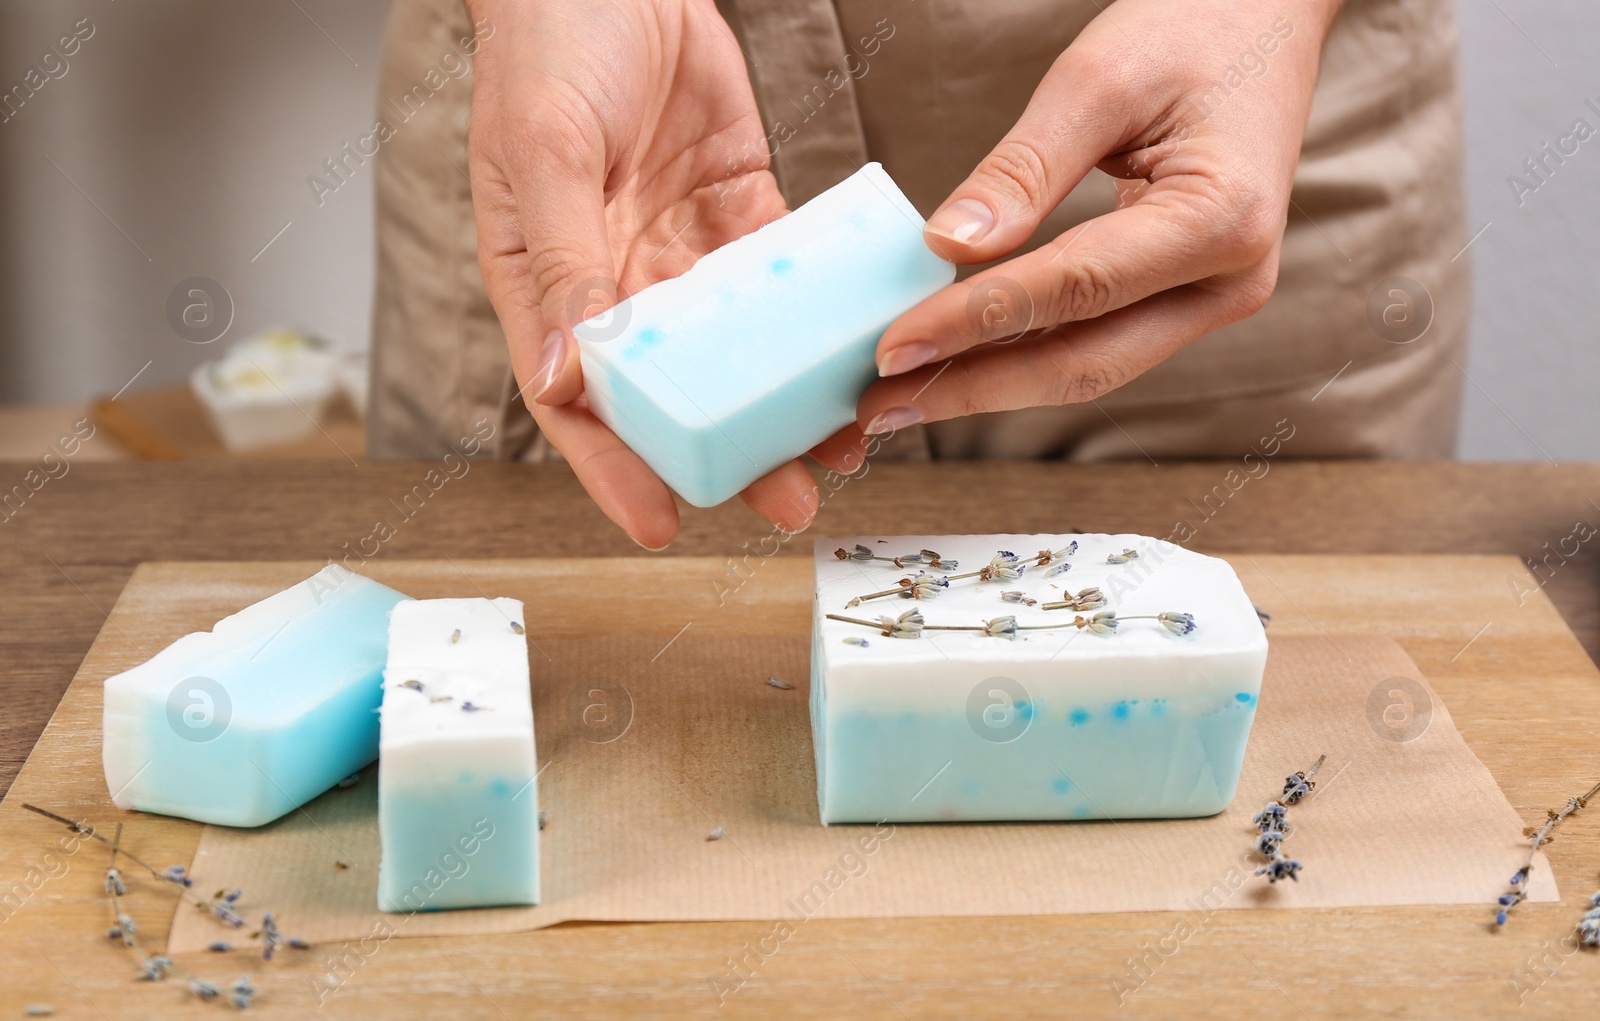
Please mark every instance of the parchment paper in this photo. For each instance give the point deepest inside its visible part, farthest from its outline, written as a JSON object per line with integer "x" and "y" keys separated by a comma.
{"x": 642, "y": 758}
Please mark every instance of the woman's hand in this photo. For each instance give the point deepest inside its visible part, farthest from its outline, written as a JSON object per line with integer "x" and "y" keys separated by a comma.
{"x": 1198, "y": 107}
{"x": 613, "y": 143}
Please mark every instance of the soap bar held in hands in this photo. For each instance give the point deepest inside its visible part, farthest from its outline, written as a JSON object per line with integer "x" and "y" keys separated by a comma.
{"x": 761, "y": 350}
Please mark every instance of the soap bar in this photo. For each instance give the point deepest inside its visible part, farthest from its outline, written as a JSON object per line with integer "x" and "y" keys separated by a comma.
{"x": 458, "y": 807}
{"x": 1140, "y": 715}
{"x": 243, "y": 723}
{"x": 761, "y": 350}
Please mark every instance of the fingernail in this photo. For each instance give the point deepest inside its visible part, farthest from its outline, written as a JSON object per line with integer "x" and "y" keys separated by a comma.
{"x": 551, "y": 357}
{"x": 966, "y": 221}
{"x": 907, "y": 357}
{"x": 893, "y": 420}
{"x": 650, "y": 549}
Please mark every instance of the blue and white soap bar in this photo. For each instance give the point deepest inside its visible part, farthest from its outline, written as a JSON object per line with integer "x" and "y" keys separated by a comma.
{"x": 243, "y": 723}
{"x": 1091, "y": 685}
{"x": 761, "y": 350}
{"x": 458, "y": 807}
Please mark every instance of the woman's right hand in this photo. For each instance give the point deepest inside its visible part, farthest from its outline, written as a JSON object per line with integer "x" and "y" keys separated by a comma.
{"x": 612, "y": 143}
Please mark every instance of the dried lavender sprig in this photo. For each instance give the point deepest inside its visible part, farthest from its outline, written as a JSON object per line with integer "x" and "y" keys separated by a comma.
{"x": 927, "y": 556}
{"x": 1540, "y": 836}
{"x": 1004, "y": 564}
{"x": 921, "y": 585}
{"x": 1273, "y": 826}
{"x": 222, "y": 908}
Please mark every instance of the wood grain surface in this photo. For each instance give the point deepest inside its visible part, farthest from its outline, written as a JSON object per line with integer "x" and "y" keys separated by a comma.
{"x": 1522, "y": 690}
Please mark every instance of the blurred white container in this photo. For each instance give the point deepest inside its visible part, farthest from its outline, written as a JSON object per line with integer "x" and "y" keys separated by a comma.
{"x": 272, "y": 388}
{"x": 353, "y": 376}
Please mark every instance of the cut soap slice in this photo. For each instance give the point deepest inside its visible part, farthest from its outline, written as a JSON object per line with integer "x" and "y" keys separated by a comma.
{"x": 243, "y": 723}
{"x": 458, "y": 807}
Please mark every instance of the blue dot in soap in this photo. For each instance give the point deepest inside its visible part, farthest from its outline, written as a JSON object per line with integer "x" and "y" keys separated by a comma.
{"x": 1081, "y": 812}
{"x": 781, "y": 267}
{"x": 858, "y": 220}
{"x": 1025, "y": 710}
{"x": 970, "y": 788}
{"x": 1158, "y": 707}
{"x": 1120, "y": 710}
{"x": 649, "y": 337}
{"x": 464, "y": 778}
{"x": 500, "y": 788}
{"x": 1079, "y": 716}
{"x": 1060, "y": 785}
{"x": 1243, "y": 696}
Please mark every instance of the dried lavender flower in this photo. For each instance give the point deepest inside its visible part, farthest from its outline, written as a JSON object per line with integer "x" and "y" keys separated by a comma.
{"x": 1001, "y": 627}
{"x": 907, "y": 625}
{"x": 516, "y": 626}
{"x": 1102, "y": 623}
{"x": 114, "y": 883}
{"x": 1589, "y": 924}
{"x": 1017, "y": 596}
{"x": 780, "y": 684}
{"x": 853, "y": 640}
{"x": 1123, "y": 557}
{"x": 455, "y": 636}
{"x": 350, "y": 781}
{"x": 1177, "y": 623}
{"x": 1004, "y": 564}
{"x": 470, "y": 706}
{"x": 716, "y": 834}
{"x": 177, "y": 874}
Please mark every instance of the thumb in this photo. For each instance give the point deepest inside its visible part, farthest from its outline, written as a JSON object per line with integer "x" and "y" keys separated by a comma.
{"x": 1068, "y": 126}
{"x": 558, "y": 182}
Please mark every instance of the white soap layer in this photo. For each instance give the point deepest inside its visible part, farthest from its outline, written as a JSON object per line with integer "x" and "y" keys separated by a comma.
{"x": 458, "y": 805}
{"x": 1057, "y": 724}
{"x": 241, "y": 724}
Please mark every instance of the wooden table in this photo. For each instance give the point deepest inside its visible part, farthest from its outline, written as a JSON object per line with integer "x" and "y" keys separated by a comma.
{"x": 68, "y": 551}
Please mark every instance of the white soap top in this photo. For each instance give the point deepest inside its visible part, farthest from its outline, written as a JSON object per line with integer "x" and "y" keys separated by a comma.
{"x": 1163, "y": 577}
{"x": 470, "y": 658}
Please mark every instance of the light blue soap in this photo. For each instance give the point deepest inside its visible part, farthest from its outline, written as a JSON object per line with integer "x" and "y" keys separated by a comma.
{"x": 244, "y": 723}
{"x": 762, "y": 349}
{"x": 1059, "y": 724}
{"x": 458, "y": 799}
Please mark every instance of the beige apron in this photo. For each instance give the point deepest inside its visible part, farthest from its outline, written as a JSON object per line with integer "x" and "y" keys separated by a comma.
{"x": 1377, "y": 196}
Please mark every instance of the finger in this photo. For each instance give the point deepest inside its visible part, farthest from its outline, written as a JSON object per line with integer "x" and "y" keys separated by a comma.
{"x": 1077, "y": 115}
{"x": 618, "y": 481}
{"x": 787, "y": 496}
{"x": 555, "y": 164}
{"x": 845, "y": 451}
{"x": 1183, "y": 229}
{"x": 1073, "y": 365}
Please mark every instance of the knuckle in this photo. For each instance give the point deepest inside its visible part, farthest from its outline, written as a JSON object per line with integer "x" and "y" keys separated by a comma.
{"x": 1082, "y": 381}
{"x": 1242, "y": 221}
{"x": 1018, "y": 168}
{"x": 1253, "y": 291}
{"x": 1084, "y": 292}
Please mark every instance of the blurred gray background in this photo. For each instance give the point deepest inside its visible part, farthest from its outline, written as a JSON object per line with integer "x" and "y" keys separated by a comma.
{"x": 180, "y": 138}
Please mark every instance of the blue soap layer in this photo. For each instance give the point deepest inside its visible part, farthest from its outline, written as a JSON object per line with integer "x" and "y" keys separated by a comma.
{"x": 1107, "y": 761}
{"x": 470, "y": 844}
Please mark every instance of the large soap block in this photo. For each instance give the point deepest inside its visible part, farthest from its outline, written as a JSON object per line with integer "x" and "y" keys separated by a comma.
{"x": 1140, "y": 718}
{"x": 458, "y": 806}
{"x": 762, "y": 349}
{"x": 243, "y": 723}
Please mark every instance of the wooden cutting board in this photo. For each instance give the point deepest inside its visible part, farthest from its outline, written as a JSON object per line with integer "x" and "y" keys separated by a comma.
{"x": 1518, "y": 684}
